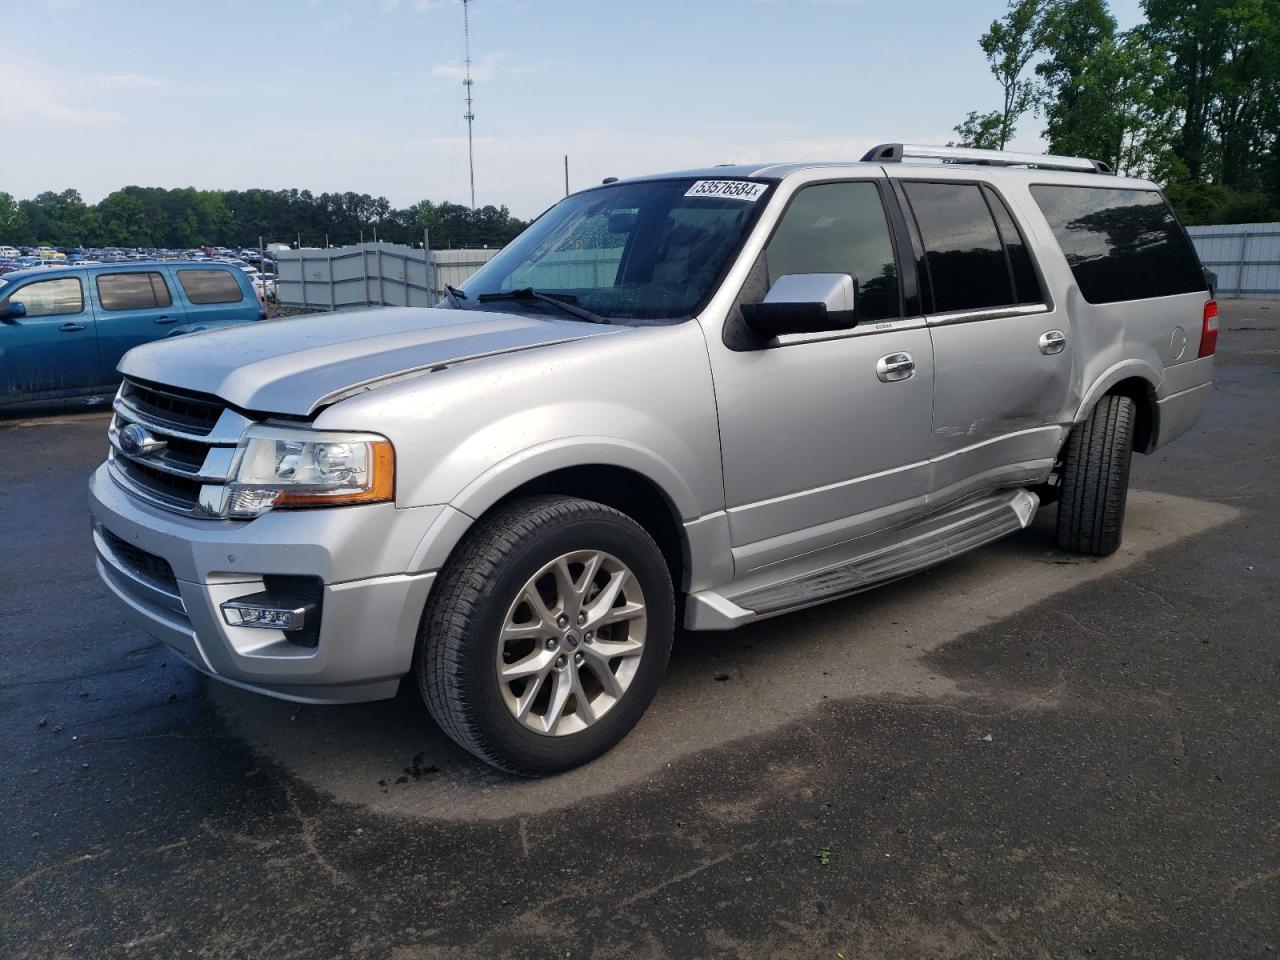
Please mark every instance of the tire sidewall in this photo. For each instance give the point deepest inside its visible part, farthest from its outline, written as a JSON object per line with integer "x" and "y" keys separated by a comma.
{"x": 536, "y": 752}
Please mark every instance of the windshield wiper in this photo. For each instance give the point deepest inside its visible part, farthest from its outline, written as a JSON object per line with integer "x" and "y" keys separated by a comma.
{"x": 456, "y": 296}
{"x": 562, "y": 300}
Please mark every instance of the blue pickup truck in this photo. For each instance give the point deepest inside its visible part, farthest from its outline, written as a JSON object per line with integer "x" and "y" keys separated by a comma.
{"x": 64, "y": 329}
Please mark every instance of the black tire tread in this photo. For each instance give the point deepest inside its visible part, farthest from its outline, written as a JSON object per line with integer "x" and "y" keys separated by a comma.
{"x": 456, "y": 600}
{"x": 1095, "y": 479}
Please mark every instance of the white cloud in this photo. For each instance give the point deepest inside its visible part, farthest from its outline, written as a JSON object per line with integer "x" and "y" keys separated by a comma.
{"x": 48, "y": 97}
{"x": 489, "y": 66}
{"x": 135, "y": 81}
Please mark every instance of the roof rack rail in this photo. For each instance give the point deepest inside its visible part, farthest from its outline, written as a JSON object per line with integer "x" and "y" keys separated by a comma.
{"x": 898, "y": 152}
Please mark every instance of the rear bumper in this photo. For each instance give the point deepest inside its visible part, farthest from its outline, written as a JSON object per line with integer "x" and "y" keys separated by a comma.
{"x": 368, "y": 625}
{"x": 1182, "y": 398}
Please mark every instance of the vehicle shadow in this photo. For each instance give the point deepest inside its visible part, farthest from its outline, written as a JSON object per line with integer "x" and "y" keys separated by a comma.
{"x": 719, "y": 687}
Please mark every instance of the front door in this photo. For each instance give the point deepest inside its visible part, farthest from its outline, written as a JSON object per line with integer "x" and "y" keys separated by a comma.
{"x": 53, "y": 347}
{"x": 134, "y": 307}
{"x": 823, "y": 437}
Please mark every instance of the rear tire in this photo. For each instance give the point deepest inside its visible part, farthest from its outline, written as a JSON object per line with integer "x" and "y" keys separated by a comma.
{"x": 575, "y": 594}
{"x": 1095, "y": 479}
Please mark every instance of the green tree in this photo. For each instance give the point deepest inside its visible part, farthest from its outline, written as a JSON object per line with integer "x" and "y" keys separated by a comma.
{"x": 1009, "y": 45}
{"x": 981, "y": 130}
{"x": 13, "y": 222}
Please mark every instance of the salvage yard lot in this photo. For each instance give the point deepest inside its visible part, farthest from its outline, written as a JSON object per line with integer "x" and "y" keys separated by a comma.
{"x": 1020, "y": 754}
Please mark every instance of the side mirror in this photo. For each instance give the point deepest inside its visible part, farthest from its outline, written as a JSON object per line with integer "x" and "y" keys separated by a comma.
{"x": 803, "y": 303}
{"x": 12, "y": 311}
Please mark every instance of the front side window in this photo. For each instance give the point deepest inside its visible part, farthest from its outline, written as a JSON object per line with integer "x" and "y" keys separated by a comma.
{"x": 964, "y": 257}
{"x": 133, "y": 291}
{"x": 1120, "y": 244}
{"x": 50, "y": 298}
{"x": 210, "y": 286}
{"x": 840, "y": 228}
{"x": 651, "y": 251}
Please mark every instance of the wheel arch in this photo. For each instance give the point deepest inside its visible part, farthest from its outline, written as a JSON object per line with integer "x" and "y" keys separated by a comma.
{"x": 1137, "y": 381}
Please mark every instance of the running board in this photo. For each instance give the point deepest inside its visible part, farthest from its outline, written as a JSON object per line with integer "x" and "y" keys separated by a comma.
{"x": 922, "y": 544}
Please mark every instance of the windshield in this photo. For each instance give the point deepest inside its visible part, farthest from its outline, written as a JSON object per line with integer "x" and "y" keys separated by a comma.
{"x": 639, "y": 251}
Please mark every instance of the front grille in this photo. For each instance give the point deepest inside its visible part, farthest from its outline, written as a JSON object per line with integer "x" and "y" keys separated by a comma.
{"x": 181, "y": 492}
{"x": 188, "y": 411}
{"x": 182, "y": 461}
{"x": 145, "y": 565}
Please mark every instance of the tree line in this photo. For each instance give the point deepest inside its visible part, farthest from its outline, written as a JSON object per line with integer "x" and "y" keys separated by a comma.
{"x": 1190, "y": 97}
{"x": 186, "y": 218}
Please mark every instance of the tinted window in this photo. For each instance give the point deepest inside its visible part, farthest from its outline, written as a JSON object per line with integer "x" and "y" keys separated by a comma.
{"x": 839, "y": 228}
{"x": 132, "y": 291}
{"x": 1026, "y": 288}
{"x": 49, "y": 298}
{"x": 1121, "y": 244}
{"x": 965, "y": 260}
{"x": 210, "y": 286}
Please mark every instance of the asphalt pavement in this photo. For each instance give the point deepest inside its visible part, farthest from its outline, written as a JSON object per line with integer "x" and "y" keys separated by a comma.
{"x": 1019, "y": 754}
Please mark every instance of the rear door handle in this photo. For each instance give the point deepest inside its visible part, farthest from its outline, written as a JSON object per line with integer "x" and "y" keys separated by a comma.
{"x": 1052, "y": 341}
{"x": 71, "y": 327}
{"x": 895, "y": 366}
{"x": 165, "y": 319}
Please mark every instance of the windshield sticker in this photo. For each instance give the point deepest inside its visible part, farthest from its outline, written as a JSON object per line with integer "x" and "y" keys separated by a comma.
{"x": 733, "y": 189}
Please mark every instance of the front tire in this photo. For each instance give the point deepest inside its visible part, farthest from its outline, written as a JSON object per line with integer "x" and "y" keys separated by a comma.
{"x": 1095, "y": 479}
{"x": 547, "y": 634}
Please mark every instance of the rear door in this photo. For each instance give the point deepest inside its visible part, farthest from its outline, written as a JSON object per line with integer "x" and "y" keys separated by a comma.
{"x": 53, "y": 347}
{"x": 216, "y": 295}
{"x": 133, "y": 307}
{"x": 1002, "y": 350}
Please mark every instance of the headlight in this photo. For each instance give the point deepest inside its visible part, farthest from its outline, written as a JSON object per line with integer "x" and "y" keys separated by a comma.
{"x": 279, "y": 467}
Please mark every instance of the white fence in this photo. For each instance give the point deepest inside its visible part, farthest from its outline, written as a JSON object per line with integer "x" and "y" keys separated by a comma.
{"x": 1245, "y": 256}
{"x": 371, "y": 275}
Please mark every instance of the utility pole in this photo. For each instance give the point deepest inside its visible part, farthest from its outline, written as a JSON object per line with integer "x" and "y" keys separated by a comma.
{"x": 566, "y": 174}
{"x": 469, "y": 116}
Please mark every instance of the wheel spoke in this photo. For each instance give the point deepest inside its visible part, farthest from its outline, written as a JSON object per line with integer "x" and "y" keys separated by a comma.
{"x": 529, "y": 695}
{"x": 525, "y": 631}
{"x": 580, "y": 702}
{"x": 591, "y": 568}
{"x": 604, "y": 651}
{"x": 559, "y": 697}
{"x": 608, "y": 596}
{"x": 628, "y": 611}
{"x": 535, "y": 663}
{"x": 600, "y": 667}
{"x": 568, "y": 601}
{"x": 533, "y": 598}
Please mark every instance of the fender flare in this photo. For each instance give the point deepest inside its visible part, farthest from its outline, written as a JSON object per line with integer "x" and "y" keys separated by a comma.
{"x": 1125, "y": 370}
{"x": 513, "y": 472}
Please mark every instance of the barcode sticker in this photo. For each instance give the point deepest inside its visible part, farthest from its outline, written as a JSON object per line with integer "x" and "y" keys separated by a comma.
{"x": 732, "y": 189}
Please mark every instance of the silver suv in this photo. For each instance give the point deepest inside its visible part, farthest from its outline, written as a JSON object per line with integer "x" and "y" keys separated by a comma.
{"x": 702, "y": 398}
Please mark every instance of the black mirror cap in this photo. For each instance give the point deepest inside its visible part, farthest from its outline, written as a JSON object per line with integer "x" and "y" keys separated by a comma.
{"x": 771, "y": 320}
{"x": 12, "y": 311}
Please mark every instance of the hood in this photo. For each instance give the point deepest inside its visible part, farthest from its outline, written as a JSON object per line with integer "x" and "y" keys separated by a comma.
{"x": 297, "y": 366}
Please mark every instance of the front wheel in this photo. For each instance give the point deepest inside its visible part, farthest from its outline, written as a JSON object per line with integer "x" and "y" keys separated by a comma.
{"x": 546, "y": 636}
{"x": 1095, "y": 479}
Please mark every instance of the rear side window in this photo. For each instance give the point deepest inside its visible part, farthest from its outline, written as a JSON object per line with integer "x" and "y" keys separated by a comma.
{"x": 964, "y": 257}
{"x": 1121, "y": 244}
{"x": 133, "y": 291}
{"x": 210, "y": 286}
{"x": 840, "y": 228}
{"x": 50, "y": 298}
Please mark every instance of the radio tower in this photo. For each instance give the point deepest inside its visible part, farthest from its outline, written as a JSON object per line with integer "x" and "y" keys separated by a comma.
{"x": 469, "y": 116}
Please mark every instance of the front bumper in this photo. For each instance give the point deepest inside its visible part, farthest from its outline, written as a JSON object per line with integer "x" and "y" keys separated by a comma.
{"x": 370, "y": 609}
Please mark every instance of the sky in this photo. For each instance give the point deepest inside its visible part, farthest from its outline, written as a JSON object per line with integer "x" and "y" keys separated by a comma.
{"x": 366, "y": 95}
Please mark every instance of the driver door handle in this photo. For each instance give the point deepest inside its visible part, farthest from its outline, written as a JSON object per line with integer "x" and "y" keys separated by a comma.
{"x": 895, "y": 366}
{"x": 71, "y": 327}
{"x": 165, "y": 319}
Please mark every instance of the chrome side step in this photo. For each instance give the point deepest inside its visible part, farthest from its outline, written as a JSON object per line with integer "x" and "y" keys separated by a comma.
{"x": 922, "y": 544}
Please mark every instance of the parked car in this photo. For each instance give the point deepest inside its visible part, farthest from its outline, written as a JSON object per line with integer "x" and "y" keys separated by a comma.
{"x": 732, "y": 393}
{"x": 63, "y": 329}
{"x": 9, "y": 253}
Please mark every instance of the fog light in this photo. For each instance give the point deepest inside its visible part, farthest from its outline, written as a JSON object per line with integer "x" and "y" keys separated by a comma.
{"x": 264, "y": 611}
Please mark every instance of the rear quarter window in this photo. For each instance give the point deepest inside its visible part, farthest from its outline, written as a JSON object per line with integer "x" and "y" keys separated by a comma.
{"x": 1120, "y": 244}
{"x": 210, "y": 286}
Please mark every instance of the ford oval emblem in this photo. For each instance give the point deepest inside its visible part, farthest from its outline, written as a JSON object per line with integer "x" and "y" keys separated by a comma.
{"x": 137, "y": 442}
